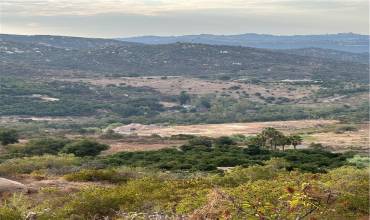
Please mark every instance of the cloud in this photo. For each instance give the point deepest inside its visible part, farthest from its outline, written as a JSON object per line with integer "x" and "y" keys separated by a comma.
{"x": 111, "y": 18}
{"x": 156, "y": 7}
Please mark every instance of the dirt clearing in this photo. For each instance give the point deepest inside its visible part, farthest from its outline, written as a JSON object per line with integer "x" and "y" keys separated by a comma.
{"x": 173, "y": 85}
{"x": 351, "y": 140}
{"x": 217, "y": 130}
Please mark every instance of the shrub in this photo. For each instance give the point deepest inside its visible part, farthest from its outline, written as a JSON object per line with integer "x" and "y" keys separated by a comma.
{"x": 345, "y": 128}
{"x": 8, "y": 137}
{"x": 86, "y": 175}
{"x": 111, "y": 134}
{"x": 27, "y": 165}
{"x": 204, "y": 141}
{"x": 224, "y": 141}
{"x": 182, "y": 137}
{"x": 360, "y": 161}
{"x": 316, "y": 146}
{"x": 8, "y": 213}
{"x": 43, "y": 146}
{"x": 84, "y": 148}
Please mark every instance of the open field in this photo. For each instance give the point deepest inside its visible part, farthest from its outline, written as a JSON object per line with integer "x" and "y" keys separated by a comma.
{"x": 356, "y": 140}
{"x": 173, "y": 85}
{"x": 217, "y": 130}
{"x": 314, "y": 131}
{"x": 137, "y": 143}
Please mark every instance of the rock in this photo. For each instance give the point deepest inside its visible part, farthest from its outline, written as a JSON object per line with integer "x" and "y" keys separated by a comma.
{"x": 31, "y": 216}
{"x": 7, "y": 185}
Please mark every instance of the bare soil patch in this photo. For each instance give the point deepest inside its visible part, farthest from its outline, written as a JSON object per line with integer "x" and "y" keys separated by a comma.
{"x": 217, "y": 130}
{"x": 139, "y": 143}
{"x": 353, "y": 140}
{"x": 174, "y": 85}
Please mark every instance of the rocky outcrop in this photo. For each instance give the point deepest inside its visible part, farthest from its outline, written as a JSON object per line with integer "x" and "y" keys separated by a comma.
{"x": 7, "y": 185}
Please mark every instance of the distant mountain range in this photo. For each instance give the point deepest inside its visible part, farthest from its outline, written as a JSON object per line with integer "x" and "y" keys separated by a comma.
{"x": 348, "y": 42}
{"x": 26, "y": 55}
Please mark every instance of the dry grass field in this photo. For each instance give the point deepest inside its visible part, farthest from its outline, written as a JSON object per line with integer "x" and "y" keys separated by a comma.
{"x": 313, "y": 131}
{"x": 139, "y": 143}
{"x": 174, "y": 85}
{"x": 351, "y": 140}
{"x": 216, "y": 130}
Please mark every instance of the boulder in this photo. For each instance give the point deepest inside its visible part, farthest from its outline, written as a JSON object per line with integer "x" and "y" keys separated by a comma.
{"x": 7, "y": 185}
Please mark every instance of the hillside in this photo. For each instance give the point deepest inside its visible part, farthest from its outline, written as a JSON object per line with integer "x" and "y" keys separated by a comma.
{"x": 344, "y": 41}
{"x": 187, "y": 59}
{"x": 61, "y": 41}
{"x": 331, "y": 54}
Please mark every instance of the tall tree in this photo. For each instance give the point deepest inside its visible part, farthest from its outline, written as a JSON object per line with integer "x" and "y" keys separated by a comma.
{"x": 272, "y": 137}
{"x": 295, "y": 140}
{"x": 283, "y": 141}
{"x": 184, "y": 98}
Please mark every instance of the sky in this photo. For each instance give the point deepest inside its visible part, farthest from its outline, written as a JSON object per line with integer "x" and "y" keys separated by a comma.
{"x": 125, "y": 18}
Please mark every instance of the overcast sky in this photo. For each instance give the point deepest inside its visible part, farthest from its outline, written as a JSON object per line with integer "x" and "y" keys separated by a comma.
{"x": 122, "y": 18}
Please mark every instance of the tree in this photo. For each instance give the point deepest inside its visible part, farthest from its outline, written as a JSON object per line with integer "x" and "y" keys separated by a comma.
{"x": 295, "y": 140}
{"x": 84, "y": 148}
{"x": 283, "y": 141}
{"x": 204, "y": 141}
{"x": 8, "y": 137}
{"x": 224, "y": 141}
{"x": 272, "y": 137}
{"x": 257, "y": 140}
{"x": 206, "y": 103}
{"x": 184, "y": 98}
{"x": 253, "y": 149}
{"x": 44, "y": 146}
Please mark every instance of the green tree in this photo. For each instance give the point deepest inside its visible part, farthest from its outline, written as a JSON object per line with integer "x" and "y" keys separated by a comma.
{"x": 84, "y": 148}
{"x": 295, "y": 140}
{"x": 224, "y": 141}
{"x": 8, "y": 136}
{"x": 204, "y": 141}
{"x": 184, "y": 98}
{"x": 257, "y": 140}
{"x": 44, "y": 146}
{"x": 272, "y": 137}
{"x": 283, "y": 141}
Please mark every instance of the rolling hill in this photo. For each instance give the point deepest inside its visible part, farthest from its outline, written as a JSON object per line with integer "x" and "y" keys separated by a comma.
{"x": 344, "y": 41}
{"x": 186, "y": 59}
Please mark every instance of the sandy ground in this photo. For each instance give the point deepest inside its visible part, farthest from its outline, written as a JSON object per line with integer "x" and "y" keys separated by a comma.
{"x": 357, "y": 140}
{"x": 122, "y": 145}
{"x": 313, "y": 131}
{"x": 7, "y": 185}
{"x": 217, "y": 130}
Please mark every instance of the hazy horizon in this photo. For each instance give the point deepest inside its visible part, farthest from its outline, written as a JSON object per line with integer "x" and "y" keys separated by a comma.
{"x": 128, "y": 18}
{"x": 150, "y": 35}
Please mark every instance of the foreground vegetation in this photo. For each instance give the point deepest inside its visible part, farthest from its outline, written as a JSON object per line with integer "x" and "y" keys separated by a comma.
{"x": 256, "y": 192}
{"x": 207, "y": 178}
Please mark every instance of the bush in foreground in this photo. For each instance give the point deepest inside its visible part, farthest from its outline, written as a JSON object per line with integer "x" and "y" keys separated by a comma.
{"x": 258, "y": 192}
{"x": 27, "y": 165}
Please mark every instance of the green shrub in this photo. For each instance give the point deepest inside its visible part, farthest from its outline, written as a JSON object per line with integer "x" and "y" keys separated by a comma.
{"x": 111, "y": 134}
{"x": 8, "y": 136}
{"x": 345, "y": 128}
{"x": 7, "y": 213}
{"x": 84, "y": 148}
{"x": 204, "y": 141}
{"x": 224, "y": 141}
{"x": 27, "y": 165}
{"x": 360, "y": 161}
{"x": 86, "y": 175}
{"x": 42, "y": 146}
